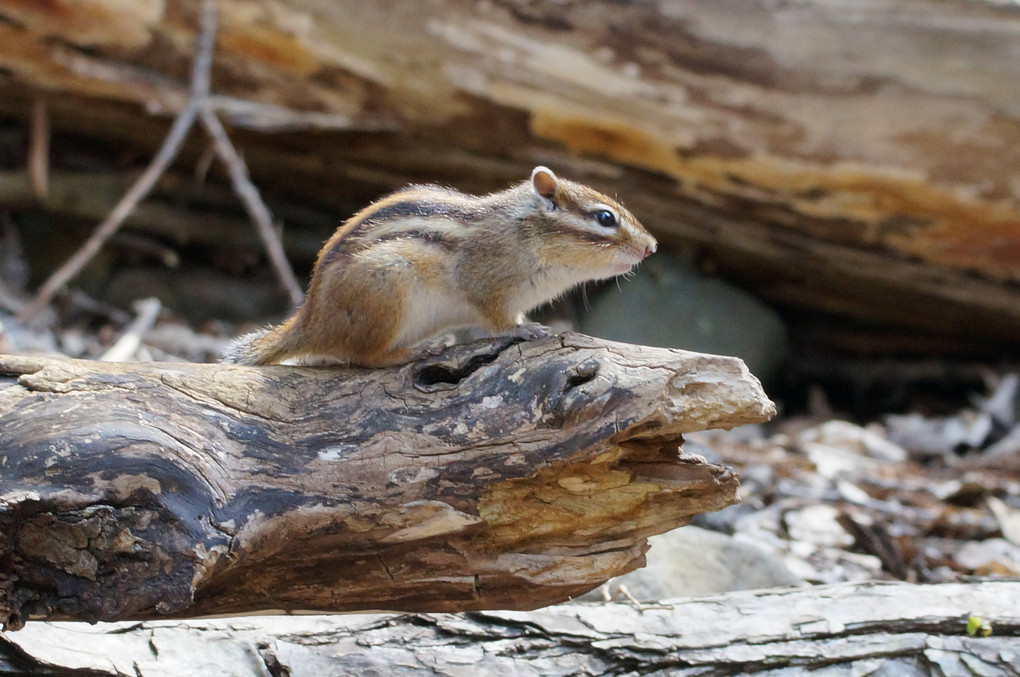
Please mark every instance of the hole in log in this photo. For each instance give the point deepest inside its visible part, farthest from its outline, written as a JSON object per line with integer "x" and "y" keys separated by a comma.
{"x": 440, "y": 376}
{"x": 585, "y": 372}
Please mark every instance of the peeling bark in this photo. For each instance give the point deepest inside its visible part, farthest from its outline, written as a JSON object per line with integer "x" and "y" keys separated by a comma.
{"x": 498, "y": 475}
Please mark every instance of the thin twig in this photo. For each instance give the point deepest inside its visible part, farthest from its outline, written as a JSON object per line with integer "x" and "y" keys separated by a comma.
{"x": 131, "y": 340}
{"x": 39, "y": 149}
{"x": 641, "y": 606}
{"x": 257, "y": 209}
{"x": 107, "y": 228}
{"x": 198, "y": 104}
{"x": 238, "y": 171}
{"x": 205, "y": 44}
{"x": 144, "y": 184}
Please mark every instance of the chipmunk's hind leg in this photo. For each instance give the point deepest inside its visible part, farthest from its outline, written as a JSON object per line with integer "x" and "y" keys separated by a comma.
{"x": 357, "y": 324}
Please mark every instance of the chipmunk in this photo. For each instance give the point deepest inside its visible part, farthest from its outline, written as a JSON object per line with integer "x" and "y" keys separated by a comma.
{"x": 427, "y": 259}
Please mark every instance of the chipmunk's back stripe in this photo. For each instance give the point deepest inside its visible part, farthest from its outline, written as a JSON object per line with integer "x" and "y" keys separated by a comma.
{"x": 427, "y": 230}
{"x": 416, "y": 208}
{"x": 409, "y": 220}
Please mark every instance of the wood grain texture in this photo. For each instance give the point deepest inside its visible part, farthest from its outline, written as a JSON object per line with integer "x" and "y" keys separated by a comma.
{"x": 498, "y": 475}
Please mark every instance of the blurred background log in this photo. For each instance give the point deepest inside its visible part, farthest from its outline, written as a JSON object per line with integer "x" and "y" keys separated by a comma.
{"x": 853, "y": 164}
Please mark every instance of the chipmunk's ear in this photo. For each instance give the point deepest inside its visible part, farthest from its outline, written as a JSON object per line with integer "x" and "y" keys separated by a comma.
{"x": 545, "y": 183}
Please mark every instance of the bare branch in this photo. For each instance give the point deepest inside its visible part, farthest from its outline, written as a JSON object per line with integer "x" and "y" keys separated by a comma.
{"x": 127, "y": 345}
{"x": 143, "y": 186}
{"x": 107, "y": 228}
{"x": 198, "y": 103}
{"x": 39, "y": 149}
{"x": 257, "y": 209}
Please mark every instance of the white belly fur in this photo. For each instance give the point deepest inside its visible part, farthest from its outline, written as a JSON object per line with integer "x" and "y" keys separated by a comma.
{"x": 430, "y": 312}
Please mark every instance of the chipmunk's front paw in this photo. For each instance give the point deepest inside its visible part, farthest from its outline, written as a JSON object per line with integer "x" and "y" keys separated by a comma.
{"x": 430, "y": 348}
{"x": 530, "y": 331}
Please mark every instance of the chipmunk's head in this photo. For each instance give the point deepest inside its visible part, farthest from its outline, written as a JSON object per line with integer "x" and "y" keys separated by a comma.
{"x": 598, "y": 235}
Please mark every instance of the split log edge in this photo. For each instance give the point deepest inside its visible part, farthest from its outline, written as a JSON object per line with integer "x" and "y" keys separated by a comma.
{"x": 499, "y": 474}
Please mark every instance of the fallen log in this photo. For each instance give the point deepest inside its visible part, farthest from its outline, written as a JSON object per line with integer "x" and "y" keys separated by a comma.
{"x": 861, "y": 628}
{"x": 499, "y": 474}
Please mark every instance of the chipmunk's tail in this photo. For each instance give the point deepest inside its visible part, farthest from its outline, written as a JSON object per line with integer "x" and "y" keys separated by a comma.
{"x": 265, "y": 346}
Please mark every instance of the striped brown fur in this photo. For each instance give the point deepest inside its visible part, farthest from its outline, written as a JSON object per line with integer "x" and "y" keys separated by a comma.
{"x": 427, "y": 259}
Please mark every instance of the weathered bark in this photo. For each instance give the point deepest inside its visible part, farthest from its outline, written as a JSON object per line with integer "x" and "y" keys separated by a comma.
{"x": 497, "y": 475}
{"x": 854, "y": 159}
{"x": 833, "y": 630}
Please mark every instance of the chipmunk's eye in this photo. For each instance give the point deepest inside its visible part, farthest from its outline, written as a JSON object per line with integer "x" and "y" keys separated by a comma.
{"x": 605, "y": 218}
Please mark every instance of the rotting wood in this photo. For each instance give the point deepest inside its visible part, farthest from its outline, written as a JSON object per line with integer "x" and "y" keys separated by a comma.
{"x": 499, "y": 474}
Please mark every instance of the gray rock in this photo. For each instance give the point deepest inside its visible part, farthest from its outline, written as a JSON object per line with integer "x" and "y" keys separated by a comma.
{"x": 692, "y": 562}
{"x": 670, "y": 305}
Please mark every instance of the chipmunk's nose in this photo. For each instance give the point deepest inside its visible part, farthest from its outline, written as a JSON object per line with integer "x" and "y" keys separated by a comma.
{"x": 650, "y": 249}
